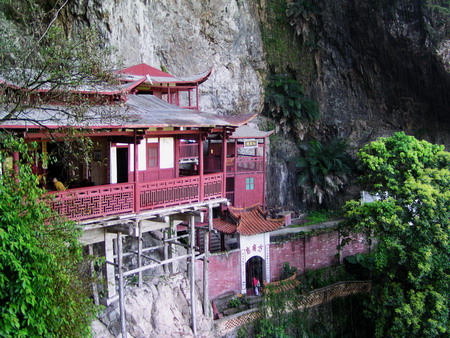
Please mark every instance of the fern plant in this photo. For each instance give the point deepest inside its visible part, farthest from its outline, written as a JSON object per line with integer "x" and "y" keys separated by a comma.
{"x": 324, "y": 169}
{"x": 287, "y": 104}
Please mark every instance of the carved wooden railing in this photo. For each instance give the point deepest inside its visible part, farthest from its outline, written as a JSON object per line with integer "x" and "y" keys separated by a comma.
{"x": 93, "y": 202}
{"x": 212, "y": 186}
{"x": 105, "y": 200}
{"x": 166, "y": 193}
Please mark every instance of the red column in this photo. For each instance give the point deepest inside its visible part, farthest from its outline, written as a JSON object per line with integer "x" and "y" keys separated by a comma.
{"x": 177, "y": 157}
{"x": 196, "y": 96}
{"x": 264, "y": 174}
{"x": 136, "y": 175}
{"x": 200, "y": 167}
{"x": 224, "y": 161}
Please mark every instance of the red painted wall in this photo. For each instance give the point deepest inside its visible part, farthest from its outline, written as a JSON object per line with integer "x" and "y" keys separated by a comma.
{"x": 245, "y": 198}
{"x": 312, "y": 252}
{"x": 320, "y": 251}
{"x": 224, "y": 273}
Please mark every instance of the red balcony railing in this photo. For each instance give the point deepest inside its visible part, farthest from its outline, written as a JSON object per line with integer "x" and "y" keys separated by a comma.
{"x": 92, "y": 202}
{"x": 114, "y": 199}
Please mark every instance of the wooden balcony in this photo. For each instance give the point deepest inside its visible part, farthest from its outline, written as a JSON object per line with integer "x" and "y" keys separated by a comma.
{"x": 236, "y": 165}
{"x": 114, "y": 199}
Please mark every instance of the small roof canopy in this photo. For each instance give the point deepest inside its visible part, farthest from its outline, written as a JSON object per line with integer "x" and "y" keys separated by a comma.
{"x": 246, "y": 131}
{"x": 247, "y": 222}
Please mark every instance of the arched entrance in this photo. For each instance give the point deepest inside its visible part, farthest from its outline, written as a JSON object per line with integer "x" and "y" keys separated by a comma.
{"x": 254, "y": 268}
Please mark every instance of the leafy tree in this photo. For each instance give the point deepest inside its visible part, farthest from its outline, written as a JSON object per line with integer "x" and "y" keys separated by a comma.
{"x": 324, "y": 169}
{"x": 42, "y": 292}
{"x": 411, "y": 226}
{"x": 36, "y": 53}
{"x": 287, "y": 104}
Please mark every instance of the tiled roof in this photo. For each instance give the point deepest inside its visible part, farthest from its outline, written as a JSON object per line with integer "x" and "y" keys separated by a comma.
{"x": 155, "y": 75}
{"x": 224, "y": 226}
{"x": 248, "y": 222}
{"x": 254, "y": 222}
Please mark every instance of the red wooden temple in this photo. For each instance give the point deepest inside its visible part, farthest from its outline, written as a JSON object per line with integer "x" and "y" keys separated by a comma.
{"x": 182, "y": 155}
{"x": 157, "y": 162}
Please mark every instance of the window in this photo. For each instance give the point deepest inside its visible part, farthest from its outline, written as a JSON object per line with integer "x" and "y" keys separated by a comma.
{"x": 153, "y": 155}
{"x": 249, "y": 183}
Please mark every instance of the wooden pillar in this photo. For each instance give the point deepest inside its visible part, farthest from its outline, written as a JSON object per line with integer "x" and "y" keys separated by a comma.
{"x": 123, "y": 324}
{"x": 206, "y": 263}
{"x": 110, "y": 269}
{"x": 140, "y": 281}
{"x": 200, "y": 167}
{"x": 177, "y": 157}
{"x": 192, "y": 273}
{"x": 196, "y": 96}
{"x": 224, "y": 161}
{"x": 264, "y": 173}
{"x": 172, "y": 247}
{"x": 136, "y": 174}
{"x": 166, "y": 250}
{"x": 235, "y": 157}
{"x": 94, "y": 282}
{"x": 16, "y": 164}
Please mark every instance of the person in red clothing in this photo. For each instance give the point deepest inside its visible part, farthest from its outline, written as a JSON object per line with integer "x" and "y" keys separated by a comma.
{"x": 256, "y": 286}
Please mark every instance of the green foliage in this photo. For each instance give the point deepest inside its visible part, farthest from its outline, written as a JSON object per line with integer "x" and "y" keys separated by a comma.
{"x": 287, "y": 104}
{"x": 41, "y": 291}
{"x": 314, "y": 279}
{"x": 324, "y": 169}
{"x": 287, "y": 271}
{"x": 411, "y": 225}
{"x": 283, "y": 51}
{"x": 302, "y": 16}
{"x": 235, "y": 302}
{"x": 37, "y": 53}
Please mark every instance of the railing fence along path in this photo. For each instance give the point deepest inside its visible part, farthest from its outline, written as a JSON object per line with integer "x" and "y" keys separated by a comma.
{"x": 313, "y": 298}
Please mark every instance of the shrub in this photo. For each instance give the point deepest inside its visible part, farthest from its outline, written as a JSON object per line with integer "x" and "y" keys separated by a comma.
{"x": 287, "y": 104}
{"x": 324, "y": 169}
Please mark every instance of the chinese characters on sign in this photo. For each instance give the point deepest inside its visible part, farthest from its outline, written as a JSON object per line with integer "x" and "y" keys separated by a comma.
{"x": 251, "y": 143}
{"x": 254, "y": 248}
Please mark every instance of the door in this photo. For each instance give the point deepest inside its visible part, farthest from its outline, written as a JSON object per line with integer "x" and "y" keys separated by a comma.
{"x": 122, "y": 165}
{"x": 254, "y": 268}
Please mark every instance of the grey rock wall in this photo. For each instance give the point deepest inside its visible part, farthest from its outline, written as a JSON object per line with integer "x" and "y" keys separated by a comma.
{"x": 187, "y": 37}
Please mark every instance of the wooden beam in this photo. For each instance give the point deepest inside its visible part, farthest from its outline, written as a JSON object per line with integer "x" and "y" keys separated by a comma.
{"x": 126, "y": 229}
{"x": 192, "y": 274}
{"x": 123, "y": 324}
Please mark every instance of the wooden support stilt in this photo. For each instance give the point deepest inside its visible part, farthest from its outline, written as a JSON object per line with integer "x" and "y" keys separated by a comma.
{"x": 140, "y": 281}
{"x": 94, "y": 283}
{"x": 123, "y": 323}
{"x": 110, "y": 273}
{"x": 165, "y": 251}
{"x": 192, "y": 274}
{"x": 172, "y": 234}
{"x": 205, "y": 264}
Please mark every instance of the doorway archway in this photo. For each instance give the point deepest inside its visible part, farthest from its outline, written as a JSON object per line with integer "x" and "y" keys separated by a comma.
{"x": 254, "y": 268}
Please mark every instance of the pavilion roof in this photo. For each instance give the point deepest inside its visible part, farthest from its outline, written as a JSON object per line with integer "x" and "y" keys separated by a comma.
{"x": 246, "y": 131}
{"x": 247, "y": 222}
{"x": 154, "y": 75}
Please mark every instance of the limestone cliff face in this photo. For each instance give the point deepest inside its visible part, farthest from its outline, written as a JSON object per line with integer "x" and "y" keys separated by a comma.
{"x": 161, "y": 308}
{"x": 377, "y": 66}
{"x": 187, "y": 37}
